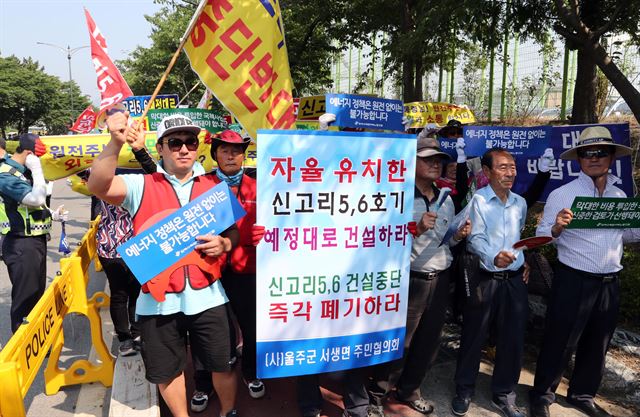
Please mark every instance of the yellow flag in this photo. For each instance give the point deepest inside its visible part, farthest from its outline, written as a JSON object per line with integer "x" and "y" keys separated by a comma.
{"x": 238, "y": 50}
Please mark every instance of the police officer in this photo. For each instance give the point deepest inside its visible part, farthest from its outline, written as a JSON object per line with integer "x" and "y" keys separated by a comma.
{"x": 23, "y": 190}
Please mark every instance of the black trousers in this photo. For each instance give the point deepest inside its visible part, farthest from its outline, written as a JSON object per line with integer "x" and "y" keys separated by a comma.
{"x": 26, "y": 260}
{"x": 503, "y": 304}
{"x": 125, "y": 289}
{"x": 428, "y": 301}
{"x": 581, "y": 317}
{"x": 356, "y": 400}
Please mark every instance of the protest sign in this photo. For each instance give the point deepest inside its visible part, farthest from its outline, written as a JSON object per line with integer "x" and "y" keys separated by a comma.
{"x": 210, "y": 120}
{"x": 70, "y": 154}
{"x": 519, "y": 141}
{"x": 136, "y": 104}
{"x": 562, "y": 171}
{"x": 163, "y": 244}
{"x": 365, "y": 112}
{"x": 421, "y": 113}
{"x": 333, "y": 265}
{"x": 310, "y": 108}
{"x": 605, "y": 213}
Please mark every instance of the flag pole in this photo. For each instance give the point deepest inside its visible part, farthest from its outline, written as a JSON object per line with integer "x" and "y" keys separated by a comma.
{"x": 192, "y": 23}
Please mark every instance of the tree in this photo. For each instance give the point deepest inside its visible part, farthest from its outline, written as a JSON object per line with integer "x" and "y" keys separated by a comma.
{"x": 27, "y": 93}
{"x": 583, "y": 24}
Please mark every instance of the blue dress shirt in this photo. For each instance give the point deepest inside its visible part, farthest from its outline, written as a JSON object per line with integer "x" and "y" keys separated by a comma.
{"x": 496, "y": 226}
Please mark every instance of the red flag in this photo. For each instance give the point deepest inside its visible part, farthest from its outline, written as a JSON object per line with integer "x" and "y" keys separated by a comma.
{"x": 113, "y": 88}
{"x": 86, "y": 121}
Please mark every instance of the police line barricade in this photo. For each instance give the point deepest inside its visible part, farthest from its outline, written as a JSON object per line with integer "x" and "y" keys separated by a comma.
{"x": 25, "y": 352}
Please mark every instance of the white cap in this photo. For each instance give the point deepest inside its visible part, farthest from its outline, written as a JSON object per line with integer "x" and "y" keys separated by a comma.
{"x": 176, "y": 123}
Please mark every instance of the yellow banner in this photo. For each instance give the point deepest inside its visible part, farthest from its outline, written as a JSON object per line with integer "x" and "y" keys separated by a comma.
{"x": 238, "y": 50}
{"x": 422, "y": 113}
{"x": 310, "y": 108}
{"x": 67, "y": 155}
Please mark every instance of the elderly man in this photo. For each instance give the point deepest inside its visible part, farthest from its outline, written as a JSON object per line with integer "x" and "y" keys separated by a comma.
{"x": 585, "y": 297}
{"x": 497, "y": 217}
{"x": 428, "y": 288}
{"x": 197, "y": 309}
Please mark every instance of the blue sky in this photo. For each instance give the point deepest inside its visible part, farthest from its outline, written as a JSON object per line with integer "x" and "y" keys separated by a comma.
{"x": 62, "y": 22}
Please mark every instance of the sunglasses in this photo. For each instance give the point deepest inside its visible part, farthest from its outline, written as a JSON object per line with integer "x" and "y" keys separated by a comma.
{"x": 598, "y": 153}
{"x": 175, "y": 144}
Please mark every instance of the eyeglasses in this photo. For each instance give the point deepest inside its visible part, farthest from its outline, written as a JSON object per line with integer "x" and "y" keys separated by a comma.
{"x": 598, "y": 153}
{"x": 175, "y": 144}
{"x": 430, "y": 160}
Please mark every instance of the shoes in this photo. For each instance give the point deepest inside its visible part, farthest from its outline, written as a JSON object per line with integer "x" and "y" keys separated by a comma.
{"x": 256, "y": 388}
{"x": 421, "y": 405}
{"x": 375, "y": 411}
{"x": 233, "y": 413}
{"x": 507, "y": 410}
{"x": 199, "y": 401}
{"x": 460, "y": 405}
{"x": 539, "y": 410}
{"x": 137, "y": 343}
{"x": 127, "y": 348}
{"x": 590, "y": 408}
{"x": 311, "y": 414}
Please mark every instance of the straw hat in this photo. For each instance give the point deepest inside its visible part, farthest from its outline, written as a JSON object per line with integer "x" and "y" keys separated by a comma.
{"x": 596, "y": 136}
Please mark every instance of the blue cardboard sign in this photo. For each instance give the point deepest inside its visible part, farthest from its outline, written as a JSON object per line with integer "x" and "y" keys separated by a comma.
{"x": 520, "y": 141}
{"x": 136, "y": 104}
{"x": 564, "y": 138}
{"x": 172, "y": 238}
{"x": 365, "y": 112}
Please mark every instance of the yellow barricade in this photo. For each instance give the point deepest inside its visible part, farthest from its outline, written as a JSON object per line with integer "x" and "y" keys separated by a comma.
{"x": 21, "y": 358}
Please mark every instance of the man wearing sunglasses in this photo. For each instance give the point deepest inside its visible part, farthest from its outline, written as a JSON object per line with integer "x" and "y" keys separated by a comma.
{"x": 195, "y": 304}
{"x": 585, "y": 296}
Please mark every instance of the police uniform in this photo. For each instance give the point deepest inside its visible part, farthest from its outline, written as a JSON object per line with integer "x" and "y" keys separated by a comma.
{"x": 24, "y": 247}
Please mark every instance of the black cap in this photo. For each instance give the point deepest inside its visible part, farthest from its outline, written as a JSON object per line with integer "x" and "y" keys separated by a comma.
{"x": 28, "y": 141}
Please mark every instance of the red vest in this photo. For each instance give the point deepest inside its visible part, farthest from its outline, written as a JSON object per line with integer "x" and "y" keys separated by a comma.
{"x": 159, "y": 198}
{"x": 242, "y": 259}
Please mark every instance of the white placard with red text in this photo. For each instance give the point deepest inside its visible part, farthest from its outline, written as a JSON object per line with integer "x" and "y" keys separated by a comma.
{"x": 333, "y": 266}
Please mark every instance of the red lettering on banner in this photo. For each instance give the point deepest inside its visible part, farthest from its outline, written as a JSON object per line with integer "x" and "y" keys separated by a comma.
{"x": 288, "y": 118}
{"x": 241, "y": 93}
{"x": 217, "y": 6}
{"x": 263, "y": 71}
{"x": 237, "y": 26}
{"x": 247, "y": 54}
{"x": 215, "y": 65}
{"x": 198, "y": 34}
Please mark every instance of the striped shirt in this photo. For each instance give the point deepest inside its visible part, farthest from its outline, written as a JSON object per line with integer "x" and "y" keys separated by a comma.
{"x": 598, "y": 251}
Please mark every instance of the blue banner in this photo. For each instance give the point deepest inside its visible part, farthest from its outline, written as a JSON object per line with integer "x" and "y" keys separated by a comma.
{"x": 333, "y": 266}
{"x": 136, "y": 104}
{"x": 520, "y": 141}
{"x": 365, "y": 112}
{"x": 562, "y": 171}
{"x": 172, "y": 238}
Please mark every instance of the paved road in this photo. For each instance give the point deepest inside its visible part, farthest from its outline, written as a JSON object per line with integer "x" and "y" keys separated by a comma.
{"x": 92, "y": 399}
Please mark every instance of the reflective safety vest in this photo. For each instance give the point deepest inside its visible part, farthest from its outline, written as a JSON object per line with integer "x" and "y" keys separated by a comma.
{"x": 23, "y": 220}
{"x": 4, "y": 220}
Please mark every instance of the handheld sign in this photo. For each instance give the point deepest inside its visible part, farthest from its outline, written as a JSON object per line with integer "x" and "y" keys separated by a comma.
{"x": 161, "y": 248}
{"x": 605, "y": 213}
{"x": 532, "y": 242}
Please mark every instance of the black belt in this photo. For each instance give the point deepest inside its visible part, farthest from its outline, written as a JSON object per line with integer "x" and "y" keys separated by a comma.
{"x": 428, "y": 276}
{"x": 501, "y": 275}
{"x": 610, "y": 277}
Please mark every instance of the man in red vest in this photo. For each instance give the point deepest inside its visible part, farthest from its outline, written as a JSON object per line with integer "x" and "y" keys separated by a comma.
{"x": 195, "y": 304}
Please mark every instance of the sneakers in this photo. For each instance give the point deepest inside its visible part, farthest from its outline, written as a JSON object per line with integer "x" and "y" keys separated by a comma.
{"x": 127, "y": 348}
{"x": 460, "y": 405}
{"x": 199, "y": 401}
{"x": 233, "y": 413}
{"x": 256, "y": 388}
{"x": 375, "y": 411}
{"x": 420, "y": 405}
{"x": 507, "y": 410}
{"x": 137, "y": 343}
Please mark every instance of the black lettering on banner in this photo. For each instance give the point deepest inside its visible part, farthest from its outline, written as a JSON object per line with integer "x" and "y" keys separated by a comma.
{"x": 38, "y": 340}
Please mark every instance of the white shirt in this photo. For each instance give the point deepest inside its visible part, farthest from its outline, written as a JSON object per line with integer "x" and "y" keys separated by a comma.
{"x": 426, "y": 254}
{"x": 598, "y": 251}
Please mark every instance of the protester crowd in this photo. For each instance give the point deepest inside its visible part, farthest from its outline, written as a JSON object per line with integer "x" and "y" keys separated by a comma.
{"x": 209, "y": 309}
